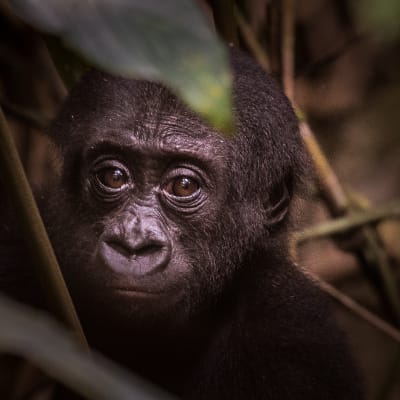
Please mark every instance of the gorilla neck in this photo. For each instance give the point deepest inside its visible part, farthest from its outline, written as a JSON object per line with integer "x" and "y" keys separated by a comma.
{"x": 165, "y": 356}
{"x": 170, "y": 356}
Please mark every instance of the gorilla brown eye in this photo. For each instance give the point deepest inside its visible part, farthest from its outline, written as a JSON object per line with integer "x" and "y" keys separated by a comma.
{"x": 182, "y": 186}
{"x": 113, "y": 178}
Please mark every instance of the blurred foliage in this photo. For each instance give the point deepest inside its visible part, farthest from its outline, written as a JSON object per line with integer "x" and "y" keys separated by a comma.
{"x": 167, "y": 41}
{"x": 381, "y": 17}
{"x": 33, "y": 335}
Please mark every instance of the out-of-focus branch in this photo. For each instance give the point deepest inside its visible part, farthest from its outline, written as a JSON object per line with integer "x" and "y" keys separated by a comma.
{"x": 32, "y": 118}
{"x": 331, "y": 190}
{"x": 288, "y": 36}
{"x": 344, "y": 224}
{"x": 251, "y": 40}
{"x": 223, "y": 11}
{"x": 357, "y": 309}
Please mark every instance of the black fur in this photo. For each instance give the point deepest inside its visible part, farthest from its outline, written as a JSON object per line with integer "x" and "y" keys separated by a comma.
{"x": 232, "y": 317}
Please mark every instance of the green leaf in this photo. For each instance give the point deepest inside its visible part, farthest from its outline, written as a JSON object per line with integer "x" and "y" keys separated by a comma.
{"x": 168, "y": 41}
{"x": 33, "y": 335}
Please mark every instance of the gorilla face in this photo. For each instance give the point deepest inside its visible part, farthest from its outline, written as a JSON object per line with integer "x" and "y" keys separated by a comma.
{"x": 154, "y": 211}
{"x": 144, "y": 217}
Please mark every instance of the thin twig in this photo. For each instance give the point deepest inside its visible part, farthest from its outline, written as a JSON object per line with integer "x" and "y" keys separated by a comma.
{"x": 28, "y": 116}
{"x": 344, "y": 224}
{"x": 331, "y": 190}
{"x": 288, "y": 16}
{"x": 251, "y": 41}
{"x": 378, "y": 256}
{"x": 223, "y": 11}
{"x": 357, "y": 309}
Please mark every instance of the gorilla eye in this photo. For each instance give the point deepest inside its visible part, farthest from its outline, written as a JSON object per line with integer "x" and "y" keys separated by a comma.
{"x": 182, "y": 186}
{"x": 113, "y": 178}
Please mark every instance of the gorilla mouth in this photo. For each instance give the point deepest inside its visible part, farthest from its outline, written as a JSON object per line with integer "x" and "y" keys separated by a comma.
{"x": 137, "y": 293}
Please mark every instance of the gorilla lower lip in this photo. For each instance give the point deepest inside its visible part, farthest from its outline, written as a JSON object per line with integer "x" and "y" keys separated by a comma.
{"x": 138, "y": 293}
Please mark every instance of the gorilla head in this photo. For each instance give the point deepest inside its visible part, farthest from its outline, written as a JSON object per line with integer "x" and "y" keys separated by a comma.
{"x": 156, "y": 213}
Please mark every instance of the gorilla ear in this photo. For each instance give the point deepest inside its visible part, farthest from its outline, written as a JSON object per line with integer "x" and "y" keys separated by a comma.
{"x": 277, "y": 205}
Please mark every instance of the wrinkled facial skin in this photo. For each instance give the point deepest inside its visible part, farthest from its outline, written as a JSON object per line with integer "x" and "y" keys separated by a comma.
{"x": 144, "y": 203}
{"x": 158, "y": 210}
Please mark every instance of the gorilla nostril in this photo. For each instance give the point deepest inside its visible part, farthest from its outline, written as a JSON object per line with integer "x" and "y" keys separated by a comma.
{"x": 140, "y": 249}
{"x": 148, "y": 249}
{"x": 139, "y": 259}
{"x": 120, "y": 248}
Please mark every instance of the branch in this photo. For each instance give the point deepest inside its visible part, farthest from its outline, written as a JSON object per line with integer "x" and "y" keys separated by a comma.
{"x": 357, "y": 309}
{"x": 223, "y": 12}
{"x": 288, "y": 39}
{"x": 344, "y": 224}
{"x": 251, "y": 40}
{"x": 28, "y": 116}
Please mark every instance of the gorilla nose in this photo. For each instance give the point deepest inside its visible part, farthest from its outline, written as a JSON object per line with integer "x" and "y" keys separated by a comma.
{"x": 142, "y": 258}
{"x": 133, "y": 250}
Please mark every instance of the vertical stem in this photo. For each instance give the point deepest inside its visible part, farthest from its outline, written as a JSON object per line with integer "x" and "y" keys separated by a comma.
{"x": 330, "y": 185}
{"x": 273, "y": 17}
{"x": 288, "y": 39}
{"x": 223, "y": 11}
{"x": 34, "y": 232}
{"x": 331, "y": 189}
{"x": 251, "y": 40}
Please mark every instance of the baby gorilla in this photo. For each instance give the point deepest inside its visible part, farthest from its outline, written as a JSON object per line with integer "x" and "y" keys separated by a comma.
{"x": 173, "y": 241}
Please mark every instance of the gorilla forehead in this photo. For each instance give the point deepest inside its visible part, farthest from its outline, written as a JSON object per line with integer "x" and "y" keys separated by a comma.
{"x": 166, "y": 140}
{"x": 157, "y": 131}
{"x": 134, "y": 112}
